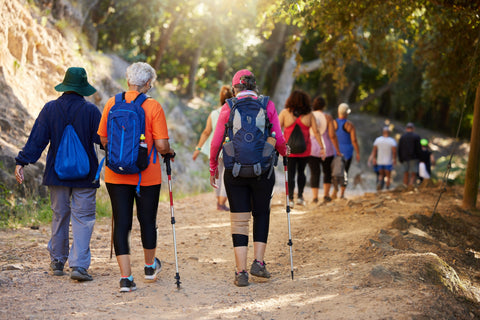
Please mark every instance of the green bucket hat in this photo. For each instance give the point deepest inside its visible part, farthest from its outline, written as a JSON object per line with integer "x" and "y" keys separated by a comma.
{"x": 76, "y": 80}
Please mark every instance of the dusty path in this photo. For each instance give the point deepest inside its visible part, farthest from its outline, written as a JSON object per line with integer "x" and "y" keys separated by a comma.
{"x": 344, "y": 267}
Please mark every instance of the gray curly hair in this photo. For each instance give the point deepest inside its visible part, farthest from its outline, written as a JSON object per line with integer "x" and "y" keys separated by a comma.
{"x": 139, "y": 73}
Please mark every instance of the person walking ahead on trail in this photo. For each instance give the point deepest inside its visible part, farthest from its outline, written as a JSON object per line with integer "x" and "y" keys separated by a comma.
{"x": 203, "y": 146}
{"x": 347, "y": 141}
{"x": 72, "y": 201}
{"x": 325, "y": 127}
{"x": 409, "y": 150}
{"x": 298, "y": 114}
{"x": 247, "y": 196}
{"x": 122, "y": 187}
{"x": 384, "y": 157}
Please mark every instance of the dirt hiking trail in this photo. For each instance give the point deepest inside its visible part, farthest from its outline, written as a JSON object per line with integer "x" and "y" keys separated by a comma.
{"x": 376, "y": 256}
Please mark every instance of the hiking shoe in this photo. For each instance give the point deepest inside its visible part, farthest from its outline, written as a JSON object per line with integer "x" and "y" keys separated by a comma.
{"x": 150, "y": 272}
{"x": 315, "y": 200}
{"x": 241, "y": 279}
{"x": 80, "y": 274}
{"x": 57, "y": 267}
{"x": 259, "y": 269}
{"x": 290, "y": 203}
{"x": 222, "y": 207}
{"x": 300, "y": 201}
{"x": 127, "y": 285}
{"x": 327, "y": 199}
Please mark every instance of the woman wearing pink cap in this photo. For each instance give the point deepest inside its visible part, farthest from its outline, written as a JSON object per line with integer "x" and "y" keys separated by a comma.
{"x": 247, "y": 196}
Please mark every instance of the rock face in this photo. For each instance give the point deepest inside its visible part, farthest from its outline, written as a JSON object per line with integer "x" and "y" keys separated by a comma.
{"x": 35, "y": 51}
{"x": 33, "y": 58}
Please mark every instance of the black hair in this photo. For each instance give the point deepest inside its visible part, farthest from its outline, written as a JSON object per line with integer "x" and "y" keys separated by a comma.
{"x": 318, "y": 103}
{"x": 248, "y": 83}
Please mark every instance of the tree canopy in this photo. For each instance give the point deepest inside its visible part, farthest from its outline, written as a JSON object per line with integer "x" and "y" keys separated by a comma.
{"x": 404, "y": 59}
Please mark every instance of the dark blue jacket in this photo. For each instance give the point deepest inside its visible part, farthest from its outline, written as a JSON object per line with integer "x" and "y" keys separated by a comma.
{"x": 409, "y": 147}
{"x": 48, "y": 128}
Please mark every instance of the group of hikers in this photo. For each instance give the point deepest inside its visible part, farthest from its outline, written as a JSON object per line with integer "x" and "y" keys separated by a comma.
{"x": 243, "y": 139}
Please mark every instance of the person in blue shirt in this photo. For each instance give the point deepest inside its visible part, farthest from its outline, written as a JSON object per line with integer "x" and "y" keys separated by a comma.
{"x": 72, "y": 201}
{"x": 347, "y": 141}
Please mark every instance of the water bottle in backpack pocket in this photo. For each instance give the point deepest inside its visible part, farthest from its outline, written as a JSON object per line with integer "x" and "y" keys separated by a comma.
{"x": 142, "y": 159}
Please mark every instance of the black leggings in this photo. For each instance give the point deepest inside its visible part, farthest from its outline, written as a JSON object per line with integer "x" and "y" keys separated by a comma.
{"x": 250, "y": 194}
{"x": 122, "y": 197}
{"x": 296, "y": 165}
{"x": 315, "y": 173}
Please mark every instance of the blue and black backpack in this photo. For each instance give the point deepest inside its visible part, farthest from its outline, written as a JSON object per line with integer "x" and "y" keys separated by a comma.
{"x": 125, "y": 126}
{"x": 249, "y": 148}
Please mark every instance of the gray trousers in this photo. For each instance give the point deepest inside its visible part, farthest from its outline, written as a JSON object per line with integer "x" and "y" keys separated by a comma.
{"x": 79, "y": 206}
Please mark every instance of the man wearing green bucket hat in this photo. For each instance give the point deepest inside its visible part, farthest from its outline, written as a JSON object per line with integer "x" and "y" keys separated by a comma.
{"x": 72, "y": 201}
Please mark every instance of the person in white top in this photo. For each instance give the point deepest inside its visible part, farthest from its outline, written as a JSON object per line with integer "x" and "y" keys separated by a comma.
{"x": 384, "y": 157}
{"x": 203, "y": 146}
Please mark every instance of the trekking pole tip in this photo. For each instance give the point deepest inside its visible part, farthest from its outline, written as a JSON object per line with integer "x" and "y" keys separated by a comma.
{"x": 177, "y": 282}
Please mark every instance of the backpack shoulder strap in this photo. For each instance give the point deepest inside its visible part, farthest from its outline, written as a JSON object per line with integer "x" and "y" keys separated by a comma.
{"x": 231, "y": 102}
{"x": 140, "y": 99}
{"x": 119, "y": 97}
{"x": 264, "y": 101}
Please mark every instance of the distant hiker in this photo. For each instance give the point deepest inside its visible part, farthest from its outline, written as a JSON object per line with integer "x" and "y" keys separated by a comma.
{"x": 325, "y": 127}
{"x": 249, "y": 180}
{"x": 426, "y": 160}
{"x": 409, "y": 153}
{"x": 122, "y": 187}
{"x": 384, "y": 157}
{"x": 297, "y": 119}
{"x": 203, "y": 146}
{"x": 72, "y": 201}
{"x": 347, "y": 141}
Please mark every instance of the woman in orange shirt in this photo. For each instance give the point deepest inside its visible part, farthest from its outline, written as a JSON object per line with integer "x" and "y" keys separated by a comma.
{"x": 121, "y": 187}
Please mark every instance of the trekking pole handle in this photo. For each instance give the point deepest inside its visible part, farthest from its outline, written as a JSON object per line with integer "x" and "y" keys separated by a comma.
{"x": 166, "y": 160}
{"x": 285, "y": 160}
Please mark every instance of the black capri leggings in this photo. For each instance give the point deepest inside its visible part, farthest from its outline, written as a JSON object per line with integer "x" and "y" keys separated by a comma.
{"x": 250, "y": 194}
{"x": 314, "y": 164}
{"x": 122, "y": 197}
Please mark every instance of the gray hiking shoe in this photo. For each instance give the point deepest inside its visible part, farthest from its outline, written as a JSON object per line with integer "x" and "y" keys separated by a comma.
{"x": 241, "y": 279}
{"x": 150, "y": 272}
{"x": 259, "y": 269}
{"x": 80, "y": 274}
{"x": 57, "y": 267}
{"x": 300, "y": 202}
{"x": 127, "y": 285}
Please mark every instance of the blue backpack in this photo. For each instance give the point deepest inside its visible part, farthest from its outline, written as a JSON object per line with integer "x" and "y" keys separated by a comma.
{"x": 125, "y": 126}
{"x": 71, "y": 160}
{"x": 249, "y": 148}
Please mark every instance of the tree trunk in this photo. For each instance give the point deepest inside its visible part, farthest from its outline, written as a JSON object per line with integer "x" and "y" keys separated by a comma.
{"x": 287, "y": 78}
{"x": 163, "y": 41}
{"x": 470, "y": 191}
{"x": 193, "y": 70}
{"x": 278, "y": 40}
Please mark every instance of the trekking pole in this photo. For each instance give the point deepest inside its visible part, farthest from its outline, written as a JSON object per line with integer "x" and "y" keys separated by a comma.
{"x": 166, "y": 159}
{"x": 290, "y": 243}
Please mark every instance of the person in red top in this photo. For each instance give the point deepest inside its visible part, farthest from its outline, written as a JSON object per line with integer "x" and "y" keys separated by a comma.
{"x": 298, "y": 110}
{"x": 121, "y": 187}
{"x": 247, "y": 196}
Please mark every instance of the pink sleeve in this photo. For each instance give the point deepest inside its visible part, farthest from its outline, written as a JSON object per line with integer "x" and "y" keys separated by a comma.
{"x": 217, "y": 138}
{"x": 281, "y": 144}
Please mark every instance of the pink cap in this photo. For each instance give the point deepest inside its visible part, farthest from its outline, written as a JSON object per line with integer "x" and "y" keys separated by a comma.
{"x": 237, "y": 77}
